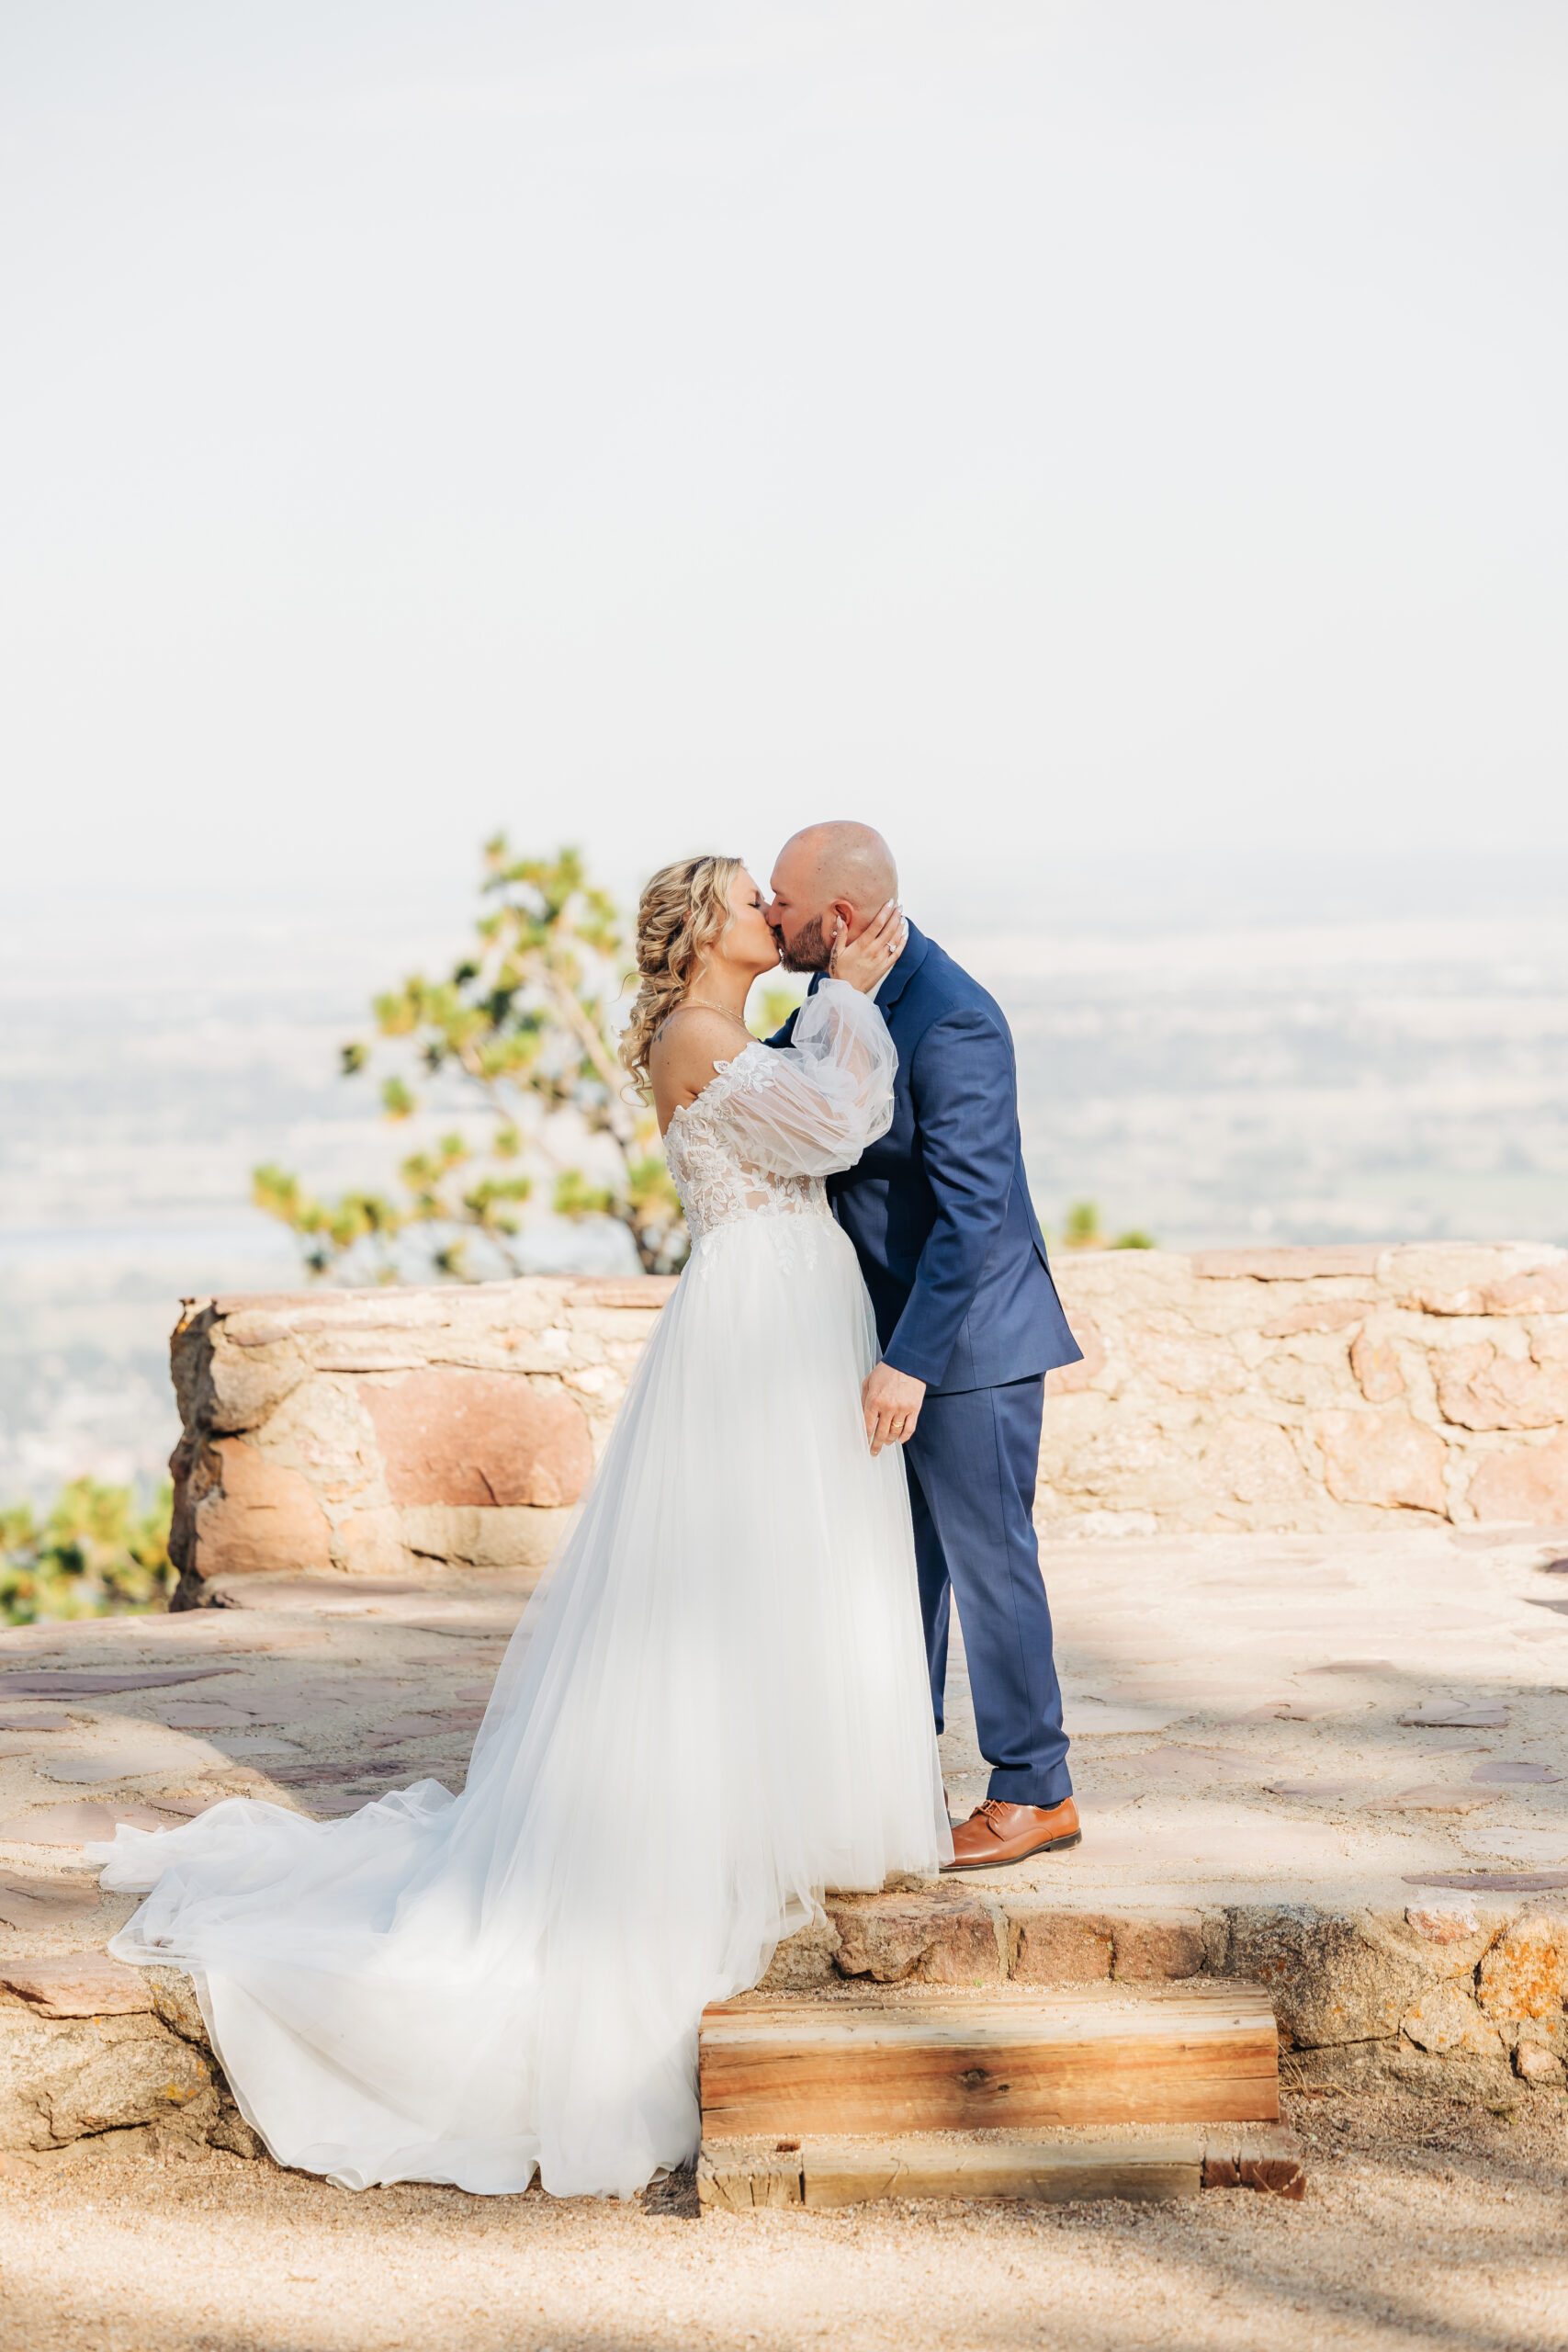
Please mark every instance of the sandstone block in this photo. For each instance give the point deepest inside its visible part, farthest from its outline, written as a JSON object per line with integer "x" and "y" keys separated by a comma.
{"x": 1527, "y": 1486}
{"x": 620, "y": 1323}
{"x": 392, "y": 1731}
{"x": 1436, "y": 1797}
{"x": 482, "y": 1439}
{"x": 1292, "y": 1376}
{"x": 189, "y": 1344}
{"x": 1317, "y": 1315}
{"x": 76, "y": 1824}
{"x": 1050, "y": 1946}
{"x": 1376, "y": 1367}
{"x": 1384, "y": 1458}
{"x": 1123, "y": 1464}
{"x": 1463, "y": 1278}
{"x": 1457, "y": 2075}
{"x": 260, "y": 1517}
{"x": 1535, "y": 2064}
{"x": 1187, "y": 1362}
{"x": 175, "y": 2003}
{"x": 36, "y": 1902}
{"x": 373, "y": 1312}
{"x": 253, "y": 1326}
{"x": 1545, "y": 1292}
{"x": 1331, "y": 1978}
{"x": 521, "y": 1537}
{"x": 253, "y": 1365}
{"x": 1253, "y": 1461}
{"x": 370, "y": 1543}
{"x": 937, "y": 1939}
{"x": 1159, "y": 1949}
{"x": 1442, "y": 1924}
{"x": 1445, "y": 2018}
{"x": 59, "y": 2080}
{"x": 547, "y": 1350}
{"x": 1457, "y": 1931}
{"x": 1284, "y": 1264}
{"x": 193, "y": 1466}
{"x": 323, "y": 1432}
{"x": 804, "y": 1960}
{"x": 1526, "y": 1972}
{"x": 78, "y": 1984}
{"x": 1456, "y": 1962}
{"x": 370, "y": 1351}
{"x": 1480, "y": 1389}
{"x": 640, "y": 1291}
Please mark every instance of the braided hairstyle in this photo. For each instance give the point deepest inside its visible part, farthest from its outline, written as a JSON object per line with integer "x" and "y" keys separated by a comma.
{"x": 684, "y": 910}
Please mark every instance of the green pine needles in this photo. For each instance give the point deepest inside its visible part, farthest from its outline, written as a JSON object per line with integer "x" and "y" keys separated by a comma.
{"x": 516, "y": 1044}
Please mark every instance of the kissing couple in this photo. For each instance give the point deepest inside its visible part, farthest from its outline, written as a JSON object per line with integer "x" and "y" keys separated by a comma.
{"x": 718, "y": 1703}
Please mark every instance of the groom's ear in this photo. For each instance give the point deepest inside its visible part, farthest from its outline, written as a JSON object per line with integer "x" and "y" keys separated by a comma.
{"x": 843, "y": 911}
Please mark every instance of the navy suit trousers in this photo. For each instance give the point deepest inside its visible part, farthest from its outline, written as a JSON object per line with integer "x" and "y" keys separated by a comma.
{"x": 972, "y": 1465}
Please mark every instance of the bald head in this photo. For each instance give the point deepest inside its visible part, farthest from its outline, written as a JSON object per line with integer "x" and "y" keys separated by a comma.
{"x": 824, "y": 872}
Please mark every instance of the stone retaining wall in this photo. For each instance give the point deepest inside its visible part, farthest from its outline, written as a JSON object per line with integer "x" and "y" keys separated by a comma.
{"x": 1456, "y": 1996}
{"x": 1452, "y": 1993}
{"x": 375, "y": 1432}
{"x": 379, "y": 1432}
{"x": 1302, "y": 1390}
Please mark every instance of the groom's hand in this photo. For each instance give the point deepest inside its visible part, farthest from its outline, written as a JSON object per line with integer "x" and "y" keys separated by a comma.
{"x": 891, "y": 1402}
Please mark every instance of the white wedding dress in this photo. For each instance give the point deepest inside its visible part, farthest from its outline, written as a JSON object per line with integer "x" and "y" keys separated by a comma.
{"x": 714, "y": 1707}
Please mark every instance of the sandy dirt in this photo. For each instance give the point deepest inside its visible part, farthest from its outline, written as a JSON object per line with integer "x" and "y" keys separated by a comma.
{"x": 1423, "y": 2224}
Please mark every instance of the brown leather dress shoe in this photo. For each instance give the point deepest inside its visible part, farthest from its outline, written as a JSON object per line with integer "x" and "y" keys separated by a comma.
{"x": 997, "y": 1832}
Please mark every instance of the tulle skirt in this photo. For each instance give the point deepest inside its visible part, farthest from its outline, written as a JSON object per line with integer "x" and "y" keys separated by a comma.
{"x": 714, "y": 1707}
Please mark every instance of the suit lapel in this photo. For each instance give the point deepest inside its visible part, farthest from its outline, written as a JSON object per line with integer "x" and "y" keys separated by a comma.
{"x": 916, "y": 947}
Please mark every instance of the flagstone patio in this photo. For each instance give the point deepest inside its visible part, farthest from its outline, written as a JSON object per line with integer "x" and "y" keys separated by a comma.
{"x": 1338, "y": 1764}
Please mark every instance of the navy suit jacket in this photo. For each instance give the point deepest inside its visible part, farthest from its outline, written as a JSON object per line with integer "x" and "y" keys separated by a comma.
{"x": 938, "y": 1208}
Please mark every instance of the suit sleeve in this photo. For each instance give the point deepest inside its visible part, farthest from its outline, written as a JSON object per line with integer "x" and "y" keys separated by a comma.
{"x": 965, "y": 1092}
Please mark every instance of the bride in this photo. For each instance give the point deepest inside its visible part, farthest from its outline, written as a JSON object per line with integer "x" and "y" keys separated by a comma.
{"x": 714, "y": 1707}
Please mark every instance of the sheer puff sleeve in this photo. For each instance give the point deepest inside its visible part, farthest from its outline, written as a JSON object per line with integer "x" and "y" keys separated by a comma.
{"x": 812, "y": 1106}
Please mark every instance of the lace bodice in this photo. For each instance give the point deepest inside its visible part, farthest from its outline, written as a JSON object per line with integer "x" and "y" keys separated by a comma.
{"x": 715, "y": 1183}
{"x": 772, "y": 1123}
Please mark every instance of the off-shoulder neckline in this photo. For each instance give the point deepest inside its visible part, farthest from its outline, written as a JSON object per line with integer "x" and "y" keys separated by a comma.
{"x": 721, "y": 1070}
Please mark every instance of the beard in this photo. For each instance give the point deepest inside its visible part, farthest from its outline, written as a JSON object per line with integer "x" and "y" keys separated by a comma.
{"x": 808, "y": 951}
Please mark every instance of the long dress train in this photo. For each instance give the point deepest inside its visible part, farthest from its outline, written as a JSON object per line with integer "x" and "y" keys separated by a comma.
{"x": 714, "y": 1707}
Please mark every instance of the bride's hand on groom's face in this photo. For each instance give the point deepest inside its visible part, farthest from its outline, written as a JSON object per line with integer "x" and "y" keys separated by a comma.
{"x": 865, "y": 961}
{"x": 891, "y": 1402}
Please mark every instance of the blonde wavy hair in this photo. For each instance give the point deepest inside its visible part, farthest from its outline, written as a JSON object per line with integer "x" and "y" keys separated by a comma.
{"x": 681, "y": 913}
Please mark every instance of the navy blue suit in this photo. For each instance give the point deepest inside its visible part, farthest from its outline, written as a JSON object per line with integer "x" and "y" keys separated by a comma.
{"x": 939, "y": 1215}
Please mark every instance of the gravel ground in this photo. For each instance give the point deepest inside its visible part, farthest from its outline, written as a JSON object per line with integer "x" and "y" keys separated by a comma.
{"x": 1424, "y": 2225}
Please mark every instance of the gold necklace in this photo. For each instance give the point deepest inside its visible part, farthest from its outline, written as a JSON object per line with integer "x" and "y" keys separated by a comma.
{"x": 708, "y": 1006}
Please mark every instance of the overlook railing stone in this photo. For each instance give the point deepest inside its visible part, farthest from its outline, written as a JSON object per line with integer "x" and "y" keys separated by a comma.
{"x": 383, "y": 1432}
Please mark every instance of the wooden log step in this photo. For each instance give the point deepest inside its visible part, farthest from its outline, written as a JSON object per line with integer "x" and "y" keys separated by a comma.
{"x": 1013, "y": 2059}
{"x": 819, "y": 2172}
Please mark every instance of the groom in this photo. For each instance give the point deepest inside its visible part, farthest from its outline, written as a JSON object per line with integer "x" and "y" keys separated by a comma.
{"x": 969, "y": 1325}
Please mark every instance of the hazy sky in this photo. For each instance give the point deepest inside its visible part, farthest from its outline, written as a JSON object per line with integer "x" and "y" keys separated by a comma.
{"x": 1033, "y": 424}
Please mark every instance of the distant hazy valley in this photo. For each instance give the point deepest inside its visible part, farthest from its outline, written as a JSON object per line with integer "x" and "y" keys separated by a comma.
{"x": 1370, "y": 1076}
